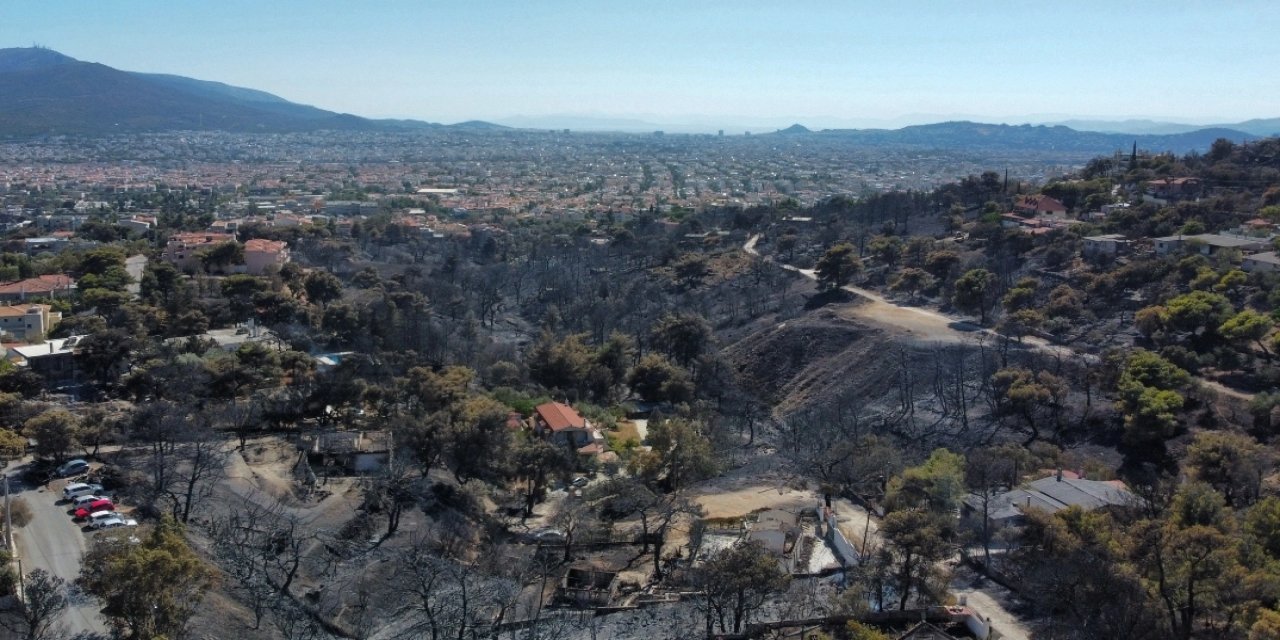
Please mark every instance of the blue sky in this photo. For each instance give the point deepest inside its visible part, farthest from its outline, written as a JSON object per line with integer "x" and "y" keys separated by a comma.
{"x": 742, "y": 61}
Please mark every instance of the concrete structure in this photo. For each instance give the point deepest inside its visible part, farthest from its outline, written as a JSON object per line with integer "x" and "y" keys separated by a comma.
{"x": 1267, "y": 262}
{"x": 49, "y": 244}
{"x": 54, "y": 359}
{"x": 354, "y": 451}
{"x": 1209, "y": 243}
{"x": 232, "y": 339}
{"x": 1112, "y": 244}
{"x": 47, "y": 286}
{"x": 261, "y": 255}
{"x": 139, "y": 224}
{"x": 27, "y": 323}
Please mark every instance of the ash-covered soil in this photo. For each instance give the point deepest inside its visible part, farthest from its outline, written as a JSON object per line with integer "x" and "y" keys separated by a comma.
{"x": 822, "y": 355}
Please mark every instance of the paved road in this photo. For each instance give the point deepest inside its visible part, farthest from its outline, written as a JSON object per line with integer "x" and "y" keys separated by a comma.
{"x": 136, "y": 265}
{"x": 53, "y": 542}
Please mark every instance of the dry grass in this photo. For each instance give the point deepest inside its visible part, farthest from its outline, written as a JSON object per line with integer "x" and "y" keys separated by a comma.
{"x": 626, "y": 431}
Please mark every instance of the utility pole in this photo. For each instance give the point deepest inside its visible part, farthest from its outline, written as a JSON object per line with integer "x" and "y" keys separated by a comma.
{"x": 8, "y": 517}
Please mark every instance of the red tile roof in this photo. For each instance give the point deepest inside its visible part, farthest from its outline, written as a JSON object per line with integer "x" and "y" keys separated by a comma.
{"x": 266, "y": 246}
{"x": 38, "y": 285}
{"x": 560, "y": 416}
{"x": 1039, "y": 204}
{"x": 200, "y": 238}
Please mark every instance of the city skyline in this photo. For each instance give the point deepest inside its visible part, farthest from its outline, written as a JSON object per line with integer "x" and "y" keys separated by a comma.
{"x": 711, "y": 65}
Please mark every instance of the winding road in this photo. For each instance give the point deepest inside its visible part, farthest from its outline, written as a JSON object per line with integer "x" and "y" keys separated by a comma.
{"x": 923, "y": 323}
{"x": 984, "y": 598}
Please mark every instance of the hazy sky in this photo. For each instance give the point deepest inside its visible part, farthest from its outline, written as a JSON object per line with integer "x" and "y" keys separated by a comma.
{"x": 736, "y": 60}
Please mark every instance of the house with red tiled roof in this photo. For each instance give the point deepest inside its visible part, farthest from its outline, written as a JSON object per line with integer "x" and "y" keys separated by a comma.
{"x": 1039, "y": 205}
{"x": 29, "y": 322}
{"x": 182, "y": 248}
{"x": 562, "y": 424}
{"x": 260, "y": 255}
{"x": 46, "y": 286}
{"x": 1173, "y": 189}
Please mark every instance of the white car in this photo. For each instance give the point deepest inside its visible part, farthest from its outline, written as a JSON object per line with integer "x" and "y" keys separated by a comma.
{"x": 114, "y": 521}
{"x": 77, "y": 489}
{"x": 95, "y": 520}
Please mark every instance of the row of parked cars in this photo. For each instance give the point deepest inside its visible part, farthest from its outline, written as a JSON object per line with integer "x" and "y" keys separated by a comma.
{"x": 90, "y": 503}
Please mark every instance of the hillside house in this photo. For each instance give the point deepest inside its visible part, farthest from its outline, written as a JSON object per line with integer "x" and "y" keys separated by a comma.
{"x": 183, "y": 248}
{"x": 27, "y": 323}
{"x": 353, "y": 451}
{"x": 1038, "y": 205}
{"x": 1209, "y": 243}
{"x": 1267, "y": 262}
{"x": 1174, "y": 189}
{"x": 54, "y": 359}
{"x": 1112, "y": 244}
{"x": 561, "y": 424}
{"x": 47, "y": 286}
{"x": 587, "y": 587}
{"x": 1032, "y": 226}
{"x": 261, "y": 255}
{"x": 1051, "y": 494}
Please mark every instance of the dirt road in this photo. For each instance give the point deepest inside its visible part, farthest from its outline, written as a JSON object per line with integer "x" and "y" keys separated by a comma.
{"x": 922, "y": 323}
{"x": 53, "y": 542}
{"x": 989, "y": 600}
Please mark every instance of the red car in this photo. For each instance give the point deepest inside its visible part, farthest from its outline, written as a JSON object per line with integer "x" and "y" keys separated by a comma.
{"x": 94, "y": 507}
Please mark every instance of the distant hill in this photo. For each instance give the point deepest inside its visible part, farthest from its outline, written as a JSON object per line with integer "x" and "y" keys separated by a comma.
{"x": 45, "y": 92}
{"x": 479, "y": 125}
{"x": 795, "y": 129}
{"x": 1265, "y": 127}
{"x": 974, "y": 135}
{"x": 1131, "y": 127}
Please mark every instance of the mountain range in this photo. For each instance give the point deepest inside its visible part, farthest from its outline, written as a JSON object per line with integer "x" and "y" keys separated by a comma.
{"x": 997, "y": 137}
{"x": 43, "y": 92}
{"x": 1256, "y": 127}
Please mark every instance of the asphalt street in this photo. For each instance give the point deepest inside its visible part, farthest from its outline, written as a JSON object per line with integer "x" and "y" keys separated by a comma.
{"x": 54, "y": 542}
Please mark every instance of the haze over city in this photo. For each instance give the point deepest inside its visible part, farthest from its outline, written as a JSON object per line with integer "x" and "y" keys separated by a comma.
{"x": 705, "y": 65}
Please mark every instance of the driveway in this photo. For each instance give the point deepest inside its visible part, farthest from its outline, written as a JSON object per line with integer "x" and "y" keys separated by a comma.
{"x": 990, "y": 601}
{"x": 53, "y": 542}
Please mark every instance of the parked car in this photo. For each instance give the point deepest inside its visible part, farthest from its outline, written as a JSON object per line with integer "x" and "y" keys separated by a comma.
{"x": 548, "y": 535}
{"x": 113, "y": 522}
{"x": 82, "y": 501}
{"x": 580, "y": 481}
{"x": 72, "y": 468}
{"x": 77, "y": 489}
{"x": 98, "y": 518}
{"x": 94, "y": 507}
